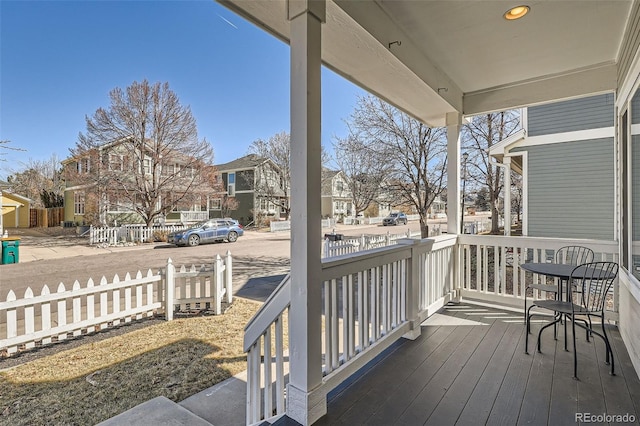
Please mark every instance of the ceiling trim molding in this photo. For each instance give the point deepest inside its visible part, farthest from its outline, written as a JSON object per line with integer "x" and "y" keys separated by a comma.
{"x": 602, "y": 79}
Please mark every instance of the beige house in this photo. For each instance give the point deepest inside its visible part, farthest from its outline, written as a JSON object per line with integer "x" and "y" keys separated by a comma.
{"x": 15, "y": 210}
{"x": 336, "y": 197}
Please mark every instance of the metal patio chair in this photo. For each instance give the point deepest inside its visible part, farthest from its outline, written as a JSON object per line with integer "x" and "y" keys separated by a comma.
{"x": 590, "y": 284}
{"x": 570, "y": 255}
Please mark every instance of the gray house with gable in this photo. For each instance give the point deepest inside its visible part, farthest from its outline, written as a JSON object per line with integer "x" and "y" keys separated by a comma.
{"x": 567, "y": 158}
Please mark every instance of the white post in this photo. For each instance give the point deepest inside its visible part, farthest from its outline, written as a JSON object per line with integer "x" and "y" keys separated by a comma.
{"x": 169, "y": 290}
{"x": 413, "y": 290}
{"x": 228, "y": 269}
{"x": 303, "y": 405}
{"x": 454, "y": 122}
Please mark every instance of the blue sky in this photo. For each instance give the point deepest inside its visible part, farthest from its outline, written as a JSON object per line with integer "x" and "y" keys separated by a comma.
{"x": 60, "y": 59}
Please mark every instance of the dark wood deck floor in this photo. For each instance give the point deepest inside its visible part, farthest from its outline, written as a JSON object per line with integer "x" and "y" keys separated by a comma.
{"x": 469, "y": 368}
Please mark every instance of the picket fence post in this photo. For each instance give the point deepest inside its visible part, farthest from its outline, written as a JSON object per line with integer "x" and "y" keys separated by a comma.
{"x": 217, "y": 270}
{"x": 228, "y": 269}
{"x": 169, "y": 290}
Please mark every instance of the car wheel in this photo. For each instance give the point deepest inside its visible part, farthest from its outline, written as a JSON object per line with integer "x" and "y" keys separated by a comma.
{"x": 194, "y": 240}
{"x": 232, "y": 237}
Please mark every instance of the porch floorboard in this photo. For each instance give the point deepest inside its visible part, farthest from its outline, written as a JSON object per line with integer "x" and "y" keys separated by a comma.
{"x": 469, "y": 367}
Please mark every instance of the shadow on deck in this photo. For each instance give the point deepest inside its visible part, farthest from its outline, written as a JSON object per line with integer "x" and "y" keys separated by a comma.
{"x": 469, "y": 368}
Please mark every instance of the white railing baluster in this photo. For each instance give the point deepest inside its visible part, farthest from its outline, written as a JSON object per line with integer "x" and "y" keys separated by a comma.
{"x": 267, "y": 365}
{"x": 335, "y": 330}
{"x": 280, "y": 408}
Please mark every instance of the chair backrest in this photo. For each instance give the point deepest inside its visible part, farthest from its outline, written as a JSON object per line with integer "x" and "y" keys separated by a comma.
{"x": 574, "y": 255}
{"x": 592, "y": 283}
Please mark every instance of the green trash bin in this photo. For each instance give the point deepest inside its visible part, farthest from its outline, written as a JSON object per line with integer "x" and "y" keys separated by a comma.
{"x": 10, "y": 251}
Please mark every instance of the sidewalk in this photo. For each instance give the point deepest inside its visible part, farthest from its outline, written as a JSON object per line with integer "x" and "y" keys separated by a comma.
{"x": 37, "y": 245}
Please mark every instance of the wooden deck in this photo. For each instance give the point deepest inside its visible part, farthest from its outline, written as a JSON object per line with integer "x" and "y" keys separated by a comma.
{"x": 469, "y": 368}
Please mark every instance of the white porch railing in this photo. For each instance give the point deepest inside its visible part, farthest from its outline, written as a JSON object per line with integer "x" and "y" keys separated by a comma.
{"x": 193, "y": 217}
{"x": 55, "y": 316}
{"x": 372, "y": 298}
{"x": 490, "y": 269}
{"x": 369, "y": 301}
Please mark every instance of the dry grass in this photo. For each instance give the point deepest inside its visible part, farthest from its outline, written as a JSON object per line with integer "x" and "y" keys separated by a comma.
{"x": 95, "y": 381}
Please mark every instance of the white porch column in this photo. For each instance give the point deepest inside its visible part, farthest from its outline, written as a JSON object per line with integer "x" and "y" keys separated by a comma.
{"x": 454, "y": 122}
{"x": 507, "y": 195}
{"x": 303, "y": 405}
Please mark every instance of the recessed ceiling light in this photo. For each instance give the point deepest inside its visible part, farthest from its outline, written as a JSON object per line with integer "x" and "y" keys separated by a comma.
{"x": 516, "y": 12}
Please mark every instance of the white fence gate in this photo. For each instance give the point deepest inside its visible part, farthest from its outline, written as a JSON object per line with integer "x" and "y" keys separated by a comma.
{"x": 35, "y": 320}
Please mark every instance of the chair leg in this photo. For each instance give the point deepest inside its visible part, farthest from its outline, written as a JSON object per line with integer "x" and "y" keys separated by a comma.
{"x": 608, "y": 345}
{"x": 565, "y": 333}
{"x": 575, "y": 352}
{"x": 526, "y": 312}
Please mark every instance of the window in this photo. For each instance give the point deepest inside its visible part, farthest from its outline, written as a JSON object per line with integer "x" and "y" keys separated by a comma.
{"x": 78, "y": 203}
{"x": 115, "y": 162}
{"x": 339, "y": 186}
{"x": 83, "y": 165}
{"x": 147, "y": 166}
{"x": 216, "y": 204}
{"x": 231, "y": 178}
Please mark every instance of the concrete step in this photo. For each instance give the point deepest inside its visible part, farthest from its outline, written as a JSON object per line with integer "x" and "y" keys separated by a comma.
{"x": 157, "y": 411}
{"x": 224, "y": 404}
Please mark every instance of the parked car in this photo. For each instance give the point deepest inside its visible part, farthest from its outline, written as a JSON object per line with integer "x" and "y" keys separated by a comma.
{"x": 208, "y": 231}
{"x": 395, "y": 219}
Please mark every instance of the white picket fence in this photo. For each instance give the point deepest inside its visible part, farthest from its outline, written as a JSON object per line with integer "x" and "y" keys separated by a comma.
{"x": 128, "y": 233}
{"x": 55, "y": 316}
{"x": 285, "y": 225}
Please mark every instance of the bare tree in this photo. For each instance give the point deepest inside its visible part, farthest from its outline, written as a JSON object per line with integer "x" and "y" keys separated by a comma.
{"x": 415, "y": 153}
{"x": 364, "y": 170}
{"x": 480, "y": 134}
{"x": 228, "y": 205}
{"x": 273, "y": 181}
{"x": 144, "y": 154}
{"x": 38, "y": 177}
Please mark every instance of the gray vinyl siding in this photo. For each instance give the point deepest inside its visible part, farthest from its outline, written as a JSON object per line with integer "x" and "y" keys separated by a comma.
{"x": 571, "y": 189}
{"x": 593, "y": 112}
{"x": 635, "y": 108}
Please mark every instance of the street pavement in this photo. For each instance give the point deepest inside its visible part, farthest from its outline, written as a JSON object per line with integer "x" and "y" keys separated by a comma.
{"x": 260, "y": 259}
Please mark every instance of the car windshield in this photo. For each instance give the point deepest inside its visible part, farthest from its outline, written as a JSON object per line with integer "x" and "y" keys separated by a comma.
{"x": 201, "y": 224}
{"x": 393, "y": 215}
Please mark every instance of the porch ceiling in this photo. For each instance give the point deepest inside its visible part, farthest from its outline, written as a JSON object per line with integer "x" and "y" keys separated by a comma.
{"x": 463, "y": 55}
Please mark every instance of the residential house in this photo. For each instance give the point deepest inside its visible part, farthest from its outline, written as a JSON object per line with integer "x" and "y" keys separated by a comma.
{"x": 566, "y": 154}
{"x": 439, "y": 62}
{"x": 256, "y": 185}
{"x": 14, "y": 208}
{"x": 336, "y": 196}
{"x": 112, "y": 163}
